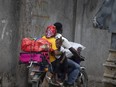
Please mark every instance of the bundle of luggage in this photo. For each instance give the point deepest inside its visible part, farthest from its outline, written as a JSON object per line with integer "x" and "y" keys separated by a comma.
{"x": 34, "y": 50}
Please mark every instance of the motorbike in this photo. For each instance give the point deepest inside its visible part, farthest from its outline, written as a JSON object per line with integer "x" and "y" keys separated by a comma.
{"x": 37, "y": 71}
{"x": 81, "y": 81}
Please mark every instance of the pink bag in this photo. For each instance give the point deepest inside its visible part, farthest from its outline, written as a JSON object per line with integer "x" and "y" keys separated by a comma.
{"x": 37, "y": 57}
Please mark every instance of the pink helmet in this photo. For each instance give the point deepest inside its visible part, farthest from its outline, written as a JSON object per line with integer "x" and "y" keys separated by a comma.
{"x": 50, "y": 31}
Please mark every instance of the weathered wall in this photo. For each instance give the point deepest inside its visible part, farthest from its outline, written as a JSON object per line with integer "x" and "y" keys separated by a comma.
{"x": 76, "y": 16}
{"x": 97, "y": 41}
{"x": 9, "y": 16}
{"x": 38, "y": 14}
{"x": 35, "y": 15}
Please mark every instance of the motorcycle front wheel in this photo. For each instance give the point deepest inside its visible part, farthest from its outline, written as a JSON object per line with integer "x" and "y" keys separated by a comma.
{"x": 82, "y": 80}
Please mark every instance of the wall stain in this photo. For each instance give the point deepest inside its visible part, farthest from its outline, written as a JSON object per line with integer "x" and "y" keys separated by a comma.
{"x": 4, "y": 28}
{"x": 41, "y": 2}
{"x": 41, "y": 16}
{"x": 1, "y": 80}
{"x": 39, "y": 12}
{"x": 7, "y": 79}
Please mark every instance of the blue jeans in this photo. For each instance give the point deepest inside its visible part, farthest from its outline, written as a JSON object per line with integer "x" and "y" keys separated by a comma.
{"x": 73, "y": 71}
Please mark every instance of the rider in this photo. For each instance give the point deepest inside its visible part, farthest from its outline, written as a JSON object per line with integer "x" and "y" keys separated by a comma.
{"x": 50, "y": 37}
{"x": 74, "y": 67}
{"x": 57, "y": 49}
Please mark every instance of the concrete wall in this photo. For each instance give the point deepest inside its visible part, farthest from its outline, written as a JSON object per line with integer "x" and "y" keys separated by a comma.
{"x": 9, "y": 27}
{"x": 41, "y": 13}
{"x": 29, "y": 18}
{"x": 96, "y": 41}
{"x": 35, "y": 16}
{"x": 76, "y": 17}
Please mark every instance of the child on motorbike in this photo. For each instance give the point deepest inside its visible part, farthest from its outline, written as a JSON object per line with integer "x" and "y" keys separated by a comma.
{"x": 74, "y": 70}
{"x": 56, "y": 52}
{"x": 60, "y": 64}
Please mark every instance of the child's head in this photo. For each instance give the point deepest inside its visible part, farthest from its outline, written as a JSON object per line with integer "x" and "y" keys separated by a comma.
{"x": 58, "y": 27}
{"x": 59, "y": 42}
{"x": 50, "y": 31}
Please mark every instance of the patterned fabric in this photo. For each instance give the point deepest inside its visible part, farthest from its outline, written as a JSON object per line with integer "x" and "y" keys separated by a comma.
{"x": 50, "y": 31}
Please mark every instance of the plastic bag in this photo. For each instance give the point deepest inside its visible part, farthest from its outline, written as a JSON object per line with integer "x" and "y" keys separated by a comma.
{"x": 32, "y": 45}
{"x": 75, "y": 46}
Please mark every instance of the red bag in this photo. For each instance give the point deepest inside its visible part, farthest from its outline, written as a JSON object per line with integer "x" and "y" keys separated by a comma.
{"x": 31, "y": 45}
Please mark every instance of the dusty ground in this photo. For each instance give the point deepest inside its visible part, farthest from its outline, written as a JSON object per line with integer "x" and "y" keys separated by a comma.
{"x": 95, "y": 84}
{"x": 99, "y": 84}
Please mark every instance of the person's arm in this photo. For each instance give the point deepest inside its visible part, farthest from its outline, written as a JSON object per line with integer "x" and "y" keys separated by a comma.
{"x": 74, "y": 52}
{"x": 57, "y": 53}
